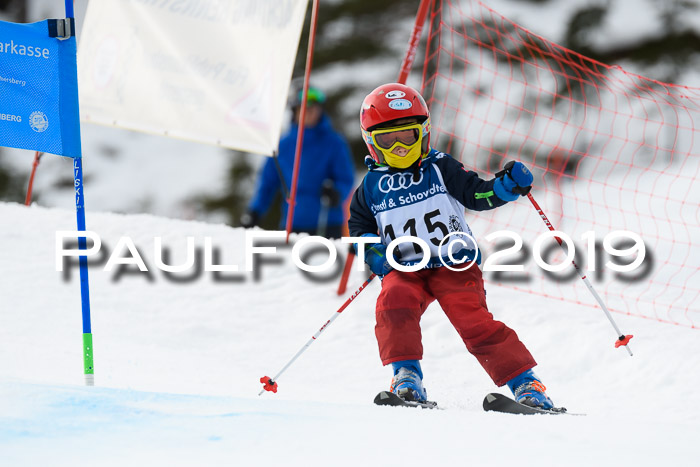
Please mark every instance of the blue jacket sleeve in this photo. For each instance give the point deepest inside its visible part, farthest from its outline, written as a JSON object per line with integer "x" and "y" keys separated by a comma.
{"x": 465, "y": 185}
{"x": 361, "y": 220}
{"x": 343, "y": 170}
{"x": 266, "y": 190}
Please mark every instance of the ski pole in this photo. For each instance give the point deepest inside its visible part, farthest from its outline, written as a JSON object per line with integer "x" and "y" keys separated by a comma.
{"x": 270, "y": 384}
{"x": 622, "y": 339}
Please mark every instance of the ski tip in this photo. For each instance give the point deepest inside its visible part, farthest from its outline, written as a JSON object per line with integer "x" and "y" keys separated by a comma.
{"x": 381, "y": 398}
{"x": 492, "y": 399}
{"x": 391, "y": 399}
{"x": 495, "y": 402}
{"x": 387, "y": 398}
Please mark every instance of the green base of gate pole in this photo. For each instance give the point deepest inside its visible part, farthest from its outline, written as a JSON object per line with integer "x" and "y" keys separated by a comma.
{"x": 87, "y": 357}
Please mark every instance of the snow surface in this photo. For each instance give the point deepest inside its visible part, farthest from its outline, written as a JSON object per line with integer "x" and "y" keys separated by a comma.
{"x": 178, "y": 364}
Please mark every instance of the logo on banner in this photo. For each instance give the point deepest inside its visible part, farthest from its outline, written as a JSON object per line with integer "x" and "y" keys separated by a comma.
{"x": 37, "y": 72}
{"x": 397, "y": 181}
{"x": 38, "y": 121}
{"x": 10, "y": 118}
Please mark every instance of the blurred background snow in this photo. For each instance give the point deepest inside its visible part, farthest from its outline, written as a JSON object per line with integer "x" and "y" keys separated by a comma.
{"x": 360, "y": 45}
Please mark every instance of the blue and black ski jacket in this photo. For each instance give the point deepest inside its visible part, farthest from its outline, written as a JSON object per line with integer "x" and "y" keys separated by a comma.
{"x": 427, "y": 202}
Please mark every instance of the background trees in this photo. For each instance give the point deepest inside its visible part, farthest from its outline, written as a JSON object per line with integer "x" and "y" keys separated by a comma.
{"x": 361, "y": 43}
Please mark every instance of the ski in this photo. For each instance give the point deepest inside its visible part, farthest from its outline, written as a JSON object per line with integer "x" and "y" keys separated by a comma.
{"x": 391, "y": 399}
{"x": 495, "y": 402}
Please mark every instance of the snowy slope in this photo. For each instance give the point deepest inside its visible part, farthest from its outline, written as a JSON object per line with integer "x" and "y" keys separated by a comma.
{"x": 177, "y": 368}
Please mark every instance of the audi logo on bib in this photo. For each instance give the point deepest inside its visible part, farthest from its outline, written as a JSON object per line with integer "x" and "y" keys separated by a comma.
{"x": 397, "y": 181}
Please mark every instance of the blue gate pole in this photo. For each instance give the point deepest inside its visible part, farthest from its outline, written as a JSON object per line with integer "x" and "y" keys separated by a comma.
{"x": 84, "y": 284}
{"x": 82, "y": 245}
{"x": 69, "y": 9}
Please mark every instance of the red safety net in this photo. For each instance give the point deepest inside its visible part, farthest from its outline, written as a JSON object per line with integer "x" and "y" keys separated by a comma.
{"x": 609, "y": 151}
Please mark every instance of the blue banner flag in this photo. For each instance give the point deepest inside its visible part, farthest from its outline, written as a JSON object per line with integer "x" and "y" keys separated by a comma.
{"x": 38, "y": 89}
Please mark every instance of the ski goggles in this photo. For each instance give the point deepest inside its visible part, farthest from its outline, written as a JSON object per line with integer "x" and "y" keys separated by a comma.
{"x": 386, "y": 138}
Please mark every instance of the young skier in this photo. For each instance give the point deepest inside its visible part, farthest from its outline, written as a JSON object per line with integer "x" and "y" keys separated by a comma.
{"x": 411, "y": 189}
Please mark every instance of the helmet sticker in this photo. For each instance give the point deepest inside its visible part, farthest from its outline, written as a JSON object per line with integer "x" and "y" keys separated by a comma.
{"x": 395, "y": 94}
{"x": 400, "y": 104}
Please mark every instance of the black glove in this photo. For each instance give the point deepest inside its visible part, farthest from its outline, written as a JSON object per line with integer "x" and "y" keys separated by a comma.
{"x": 329, "y": 195}
{"x": 249, "y": 219}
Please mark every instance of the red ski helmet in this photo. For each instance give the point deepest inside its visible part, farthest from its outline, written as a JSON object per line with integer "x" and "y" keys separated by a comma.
{"x": 389, "y": 103}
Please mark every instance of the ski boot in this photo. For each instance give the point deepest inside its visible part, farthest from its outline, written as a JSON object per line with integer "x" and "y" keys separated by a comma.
{"x": 407, "y": 382}
{"x": 529, "y": 390}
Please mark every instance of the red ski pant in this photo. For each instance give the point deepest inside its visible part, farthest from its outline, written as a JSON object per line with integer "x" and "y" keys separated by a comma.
{"x": 406, "y": 295}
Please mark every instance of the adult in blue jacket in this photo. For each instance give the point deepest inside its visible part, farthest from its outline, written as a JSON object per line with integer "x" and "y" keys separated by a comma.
{"x": 326, "y": 174}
